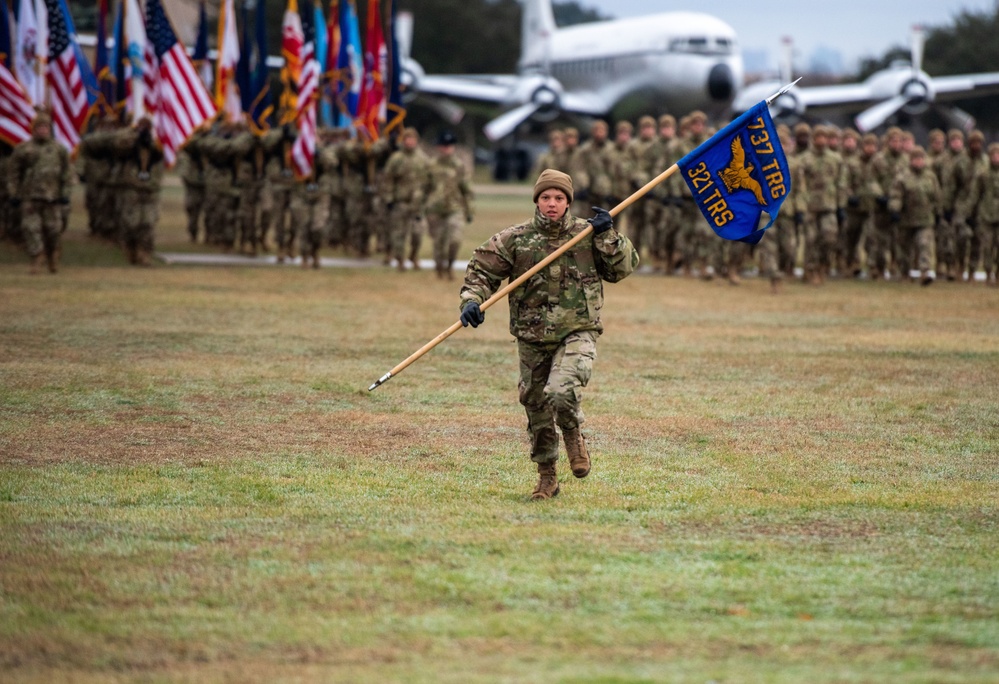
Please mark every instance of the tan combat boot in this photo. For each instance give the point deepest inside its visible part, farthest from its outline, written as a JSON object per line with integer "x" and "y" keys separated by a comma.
{"x": 575, "y": 446}
{"x": 36, "y": 263}
{"x": 547, "y": 482}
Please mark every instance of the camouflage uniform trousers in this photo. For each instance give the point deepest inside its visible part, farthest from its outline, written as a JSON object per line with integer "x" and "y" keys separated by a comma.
{"x": 821, "y": 241}
{"x": 447, "y": 234}
{"x": 249, "y": 215}
{"x": 990, "y": 250}
{"x": 663, "y": 226}
{"x": 967, "y": 247}
{"x": 140, "y": 212}
{"x": 920, "y": 244}
{"x": 695, "y": 235}
{"x": 194, "y": 205}
{"x": 405, "y": 227}
{"x": 102, "y": 209}
{"x": 281, "y": 217}
{"x": 552, "y": 377}
{"x": 851, "y": 238}
{"x": 310, "y": 214}
{"x": 336, "y": 225}
{"x": 41, "y": 225}
{"x": 878, "y": 244}
{"x": 786, "y": 243}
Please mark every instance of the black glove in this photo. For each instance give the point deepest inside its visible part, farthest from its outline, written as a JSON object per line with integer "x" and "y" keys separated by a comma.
{"x": 799, "y": 218}
{"x": 895, "y": 217}
{"x": 389, "y": 206}
{"x": 948, "y": 216}
{"x": 472, "y": 315}
{"x": 602, "y": 222}
{"x": 882, "y": 201}
{"x": 469, "y": 217}
{"x": 678, "y": 202}
{"x": 145, "y": 138}
{"x": 841, "y": 215}
{"x": 15, "y": 202}
{"x": 63, "y": 200}
{"x": 853, "y": 201}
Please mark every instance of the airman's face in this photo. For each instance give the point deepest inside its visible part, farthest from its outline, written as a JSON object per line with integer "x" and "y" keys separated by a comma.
{"x": 552, "y": 203}
{"x": 956, "y": 144}
{"x": 410, "y": 142}
{"x": 42, "y": 131}
{"x": 994, "y": 158}
{"x": 849, "y": 144}
{"x": 647, "y": 132}
{"x": 599, "y": 133}
{"x": 918, "y": 162}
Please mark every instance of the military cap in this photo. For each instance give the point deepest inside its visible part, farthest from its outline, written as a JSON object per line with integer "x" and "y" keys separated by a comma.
{"x": 976, "y": 136}
{"x": 870, "y": 139}
{"x": 802, "y": 129}
{"x": 667, "y": 120}
{"x": 623, "y": 126}
{"x": 955, "y": 134}
{"x": 573, "y": 132}
{"x": 893, "y": 132}
{"x": 646, "y": 121}
{"x": 410, "y": 132}
{"x": 992, "y": 148}
{"x": 936, "y": 134}
{"x": 851, "y": 133}
{"x": 550, "y": 178}
{"x": 698, "y": 115}
{"x": 446, "y": 138}
{"x": 917, "y": 151}
{"x": 42, "y": 118}
{"x": 599, "y": 123}
{"x": 820, "y": 130}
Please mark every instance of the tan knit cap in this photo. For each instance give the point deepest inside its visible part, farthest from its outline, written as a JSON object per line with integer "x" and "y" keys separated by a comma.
{"x": 550, "y": 178}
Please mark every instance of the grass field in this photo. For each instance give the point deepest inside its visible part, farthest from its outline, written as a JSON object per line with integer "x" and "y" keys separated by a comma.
{"x": 196, "y": 485}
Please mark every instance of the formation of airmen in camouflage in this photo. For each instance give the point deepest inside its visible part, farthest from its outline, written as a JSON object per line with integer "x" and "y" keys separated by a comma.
{"x": 862, "y": 206}
{"x": 241, "y": 193}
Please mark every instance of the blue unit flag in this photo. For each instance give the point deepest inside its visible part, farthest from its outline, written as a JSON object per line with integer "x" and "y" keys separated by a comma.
{"x": 738, "y": 174}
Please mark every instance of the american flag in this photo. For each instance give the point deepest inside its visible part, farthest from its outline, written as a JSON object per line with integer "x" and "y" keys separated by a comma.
{"x": 303, "y": 152}
{"x": 15, "y": 110}
{"x": 182, "y": 103}
{"x": 67, "y": 91}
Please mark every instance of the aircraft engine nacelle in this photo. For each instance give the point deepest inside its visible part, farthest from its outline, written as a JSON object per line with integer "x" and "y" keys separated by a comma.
{"x": 788, "y": 104}
{"x": 918, "y": 93}
{"x": 409, "y": 79}
{"x": 544, "y": 92}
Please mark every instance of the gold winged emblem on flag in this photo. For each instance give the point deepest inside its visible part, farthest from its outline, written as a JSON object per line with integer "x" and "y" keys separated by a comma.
{"x": 736, "y": 175}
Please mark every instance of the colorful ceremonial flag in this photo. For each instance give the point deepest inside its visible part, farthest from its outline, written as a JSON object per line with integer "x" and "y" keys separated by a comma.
{"x": 16, "y": 111}
{"x": 261, "y": 104}
{"x": 329, "y": 79}
{"x": 396, "y": 108}
{"x": 303, "y": 151}
{"x": 245, "y": 58}
{"x": 27, "y": 61}
{"x": 135, "y": 36}
{"x": 738, "y": 174}
{"x": 102, "y": 68}
{"x": 226, "y": 90}
{"x": 371, "y": 108}
{"x": 71, "y": 83}
{"x": 291, "y": 49}
{"x": 200, "y": 56}
{"x": 5, "y": 56}
{"x": 183, "y": 103}
{"x": 349, "y": 65}
{"x": 119, "y": 59}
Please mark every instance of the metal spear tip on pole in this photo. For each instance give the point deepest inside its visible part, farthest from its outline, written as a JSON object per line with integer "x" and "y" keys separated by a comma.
{"x": 783, "y": 90}
{"x": 382, "y": 380}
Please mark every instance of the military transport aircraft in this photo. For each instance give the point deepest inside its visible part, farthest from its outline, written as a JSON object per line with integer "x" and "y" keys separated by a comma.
{"x": 902, "y": 87}
{"x": 670, "y": 62}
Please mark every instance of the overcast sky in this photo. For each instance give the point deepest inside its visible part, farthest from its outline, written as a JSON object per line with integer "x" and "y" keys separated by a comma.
{"x": 853, "y": 28}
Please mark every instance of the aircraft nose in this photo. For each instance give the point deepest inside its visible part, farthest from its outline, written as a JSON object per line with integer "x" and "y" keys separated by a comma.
{"x": 721, "y": 83}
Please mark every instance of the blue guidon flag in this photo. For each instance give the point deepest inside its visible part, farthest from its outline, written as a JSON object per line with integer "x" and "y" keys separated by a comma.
{"x": 738, "y": 174}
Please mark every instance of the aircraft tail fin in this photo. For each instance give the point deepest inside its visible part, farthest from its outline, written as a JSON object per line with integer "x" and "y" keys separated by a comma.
{"x": 537, "y": 28}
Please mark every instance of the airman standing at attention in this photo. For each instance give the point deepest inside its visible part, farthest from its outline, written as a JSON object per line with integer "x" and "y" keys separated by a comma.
{"x": 191, "y": 169}
{"x": 623, "y": 174}
{"x": 406, "y": 182}
{"x": 695, "y": 233}
{"x": 955, "y": 173}
{"x": 936, "y": 149}
{"x": 639, "y": 214}
{"x": 778, "y": 249}
{"x": 888, "y": 163}
{"x": 310, "y": 204}
{"x": 914, "y": 203}
{"x": 979, "y": 163}
{"x": 983, "y": 200}
{"x": 450, "y": 204}
{"x": 276, "y": 211}
{"x": 593, "y": 169}
{"x": 859, "y": 199}
{"x": 557, "y": 155}
{"x": 39, "y": 183}
{"x": 825, "y": 197}
{"x": 94, "y": 171}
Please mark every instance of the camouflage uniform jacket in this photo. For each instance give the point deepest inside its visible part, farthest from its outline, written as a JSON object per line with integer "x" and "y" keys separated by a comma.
{"x": 406, "y": 178}
{"x": 956, "y": 174}
{"x": 857, "y": 182}
{"x": 141, "y": 167}
{"x": 40, "y": 171}
{"x": 982, "y": 200}
{"x": 593, "y": 169}
{"x": 564, "y": 297}
{"x": 916, "y": 197}
{"x": 190, "y": 165}
{"x": 885, "y": 168}
{"x": 826, "y": 191}
{"x": 325, "y": 174}
{"x": 553, "y": 160}
{"x": 683, "y": 146}
{"x": 452, "y": 191}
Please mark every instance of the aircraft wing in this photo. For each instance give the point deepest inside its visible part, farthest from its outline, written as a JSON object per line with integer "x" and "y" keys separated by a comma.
{"x": 485, "y": 88}
{"x": 586, "y": 103}
{"x": 966, "y": 86}
{"x": 818, "y": 97}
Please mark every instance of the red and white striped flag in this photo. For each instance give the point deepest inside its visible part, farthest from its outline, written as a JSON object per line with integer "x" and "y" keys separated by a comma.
{"x": 303, "y": 151}
{"x": 182, "y": 103}
{"x": 67, "y": 92}
{"x": 15, "y": 110}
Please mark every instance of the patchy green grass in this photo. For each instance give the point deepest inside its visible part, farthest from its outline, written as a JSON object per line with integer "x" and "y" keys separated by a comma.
{"x": 195, "y": 484}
